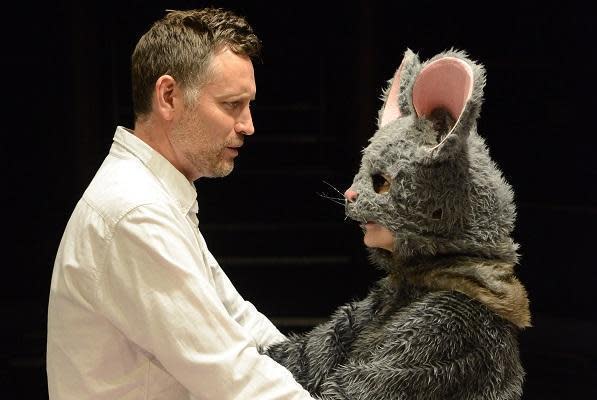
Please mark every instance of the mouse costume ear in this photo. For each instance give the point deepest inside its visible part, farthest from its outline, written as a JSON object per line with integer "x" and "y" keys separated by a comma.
{"x": 445, "y": 83}
{"x": 451, "y": 84}
{"x": 397, "y": 96}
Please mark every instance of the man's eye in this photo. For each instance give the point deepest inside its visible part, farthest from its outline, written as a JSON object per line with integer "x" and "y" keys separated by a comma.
{"x": 232, "y": 104}
{"x": 380, "y": 183}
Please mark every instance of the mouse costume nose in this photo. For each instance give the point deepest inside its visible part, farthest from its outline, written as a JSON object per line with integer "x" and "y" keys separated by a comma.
{"x": 351, "y": 195}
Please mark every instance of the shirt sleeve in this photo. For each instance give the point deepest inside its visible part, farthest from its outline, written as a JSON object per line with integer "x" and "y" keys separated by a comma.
{"x": 244, "y": 312}
{"x": 152, "y": 287}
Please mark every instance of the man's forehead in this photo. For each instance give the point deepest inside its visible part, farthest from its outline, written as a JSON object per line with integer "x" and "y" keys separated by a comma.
{"x": 231, "y": 75}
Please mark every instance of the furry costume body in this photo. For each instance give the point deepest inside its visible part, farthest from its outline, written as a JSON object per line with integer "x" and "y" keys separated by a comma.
{"x": 443, "y": 324}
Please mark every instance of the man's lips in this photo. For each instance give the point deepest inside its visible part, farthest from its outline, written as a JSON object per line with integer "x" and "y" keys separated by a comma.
{"x": 234, "y": 148}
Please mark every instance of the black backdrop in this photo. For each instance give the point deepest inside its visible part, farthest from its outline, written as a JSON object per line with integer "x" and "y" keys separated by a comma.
{"x": 66, "y": 87}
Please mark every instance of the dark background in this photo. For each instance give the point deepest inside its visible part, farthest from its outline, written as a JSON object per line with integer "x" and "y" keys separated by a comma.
{"x": 286, "y": 248}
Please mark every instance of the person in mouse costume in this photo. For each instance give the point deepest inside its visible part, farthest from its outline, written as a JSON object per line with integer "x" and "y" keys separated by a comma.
{"x": 437, "y": 216}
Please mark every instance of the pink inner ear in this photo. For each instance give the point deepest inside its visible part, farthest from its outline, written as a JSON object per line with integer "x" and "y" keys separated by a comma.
{"x": 447, "y": 82}
{"x": 391, "y": 110}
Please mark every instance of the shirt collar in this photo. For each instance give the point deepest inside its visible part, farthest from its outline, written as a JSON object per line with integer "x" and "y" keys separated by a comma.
{"x": 175, "y": 183}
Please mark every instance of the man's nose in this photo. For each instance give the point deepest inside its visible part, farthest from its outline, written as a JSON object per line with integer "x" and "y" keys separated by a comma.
{"x": 245, "y": 124}
{"x": 351, "y": 195}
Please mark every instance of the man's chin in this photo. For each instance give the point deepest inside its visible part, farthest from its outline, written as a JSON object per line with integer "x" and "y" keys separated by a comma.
{"x": 221, "y": 170}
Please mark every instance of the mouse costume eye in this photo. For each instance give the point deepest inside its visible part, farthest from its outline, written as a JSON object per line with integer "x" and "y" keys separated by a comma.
{"x": 380, "y": 183}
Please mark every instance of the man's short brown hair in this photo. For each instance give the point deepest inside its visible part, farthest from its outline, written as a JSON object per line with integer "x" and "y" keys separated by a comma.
{"x": 181, "y": 45}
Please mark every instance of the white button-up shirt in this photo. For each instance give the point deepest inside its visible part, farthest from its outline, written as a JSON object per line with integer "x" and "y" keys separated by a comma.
{"x": 139, "y": 308}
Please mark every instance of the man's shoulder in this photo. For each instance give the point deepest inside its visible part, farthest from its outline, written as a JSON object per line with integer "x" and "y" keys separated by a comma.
{"x": 121, "y": 185}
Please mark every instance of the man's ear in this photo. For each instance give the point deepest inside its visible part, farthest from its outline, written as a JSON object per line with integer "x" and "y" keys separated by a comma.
{"x": 165, "y": 96}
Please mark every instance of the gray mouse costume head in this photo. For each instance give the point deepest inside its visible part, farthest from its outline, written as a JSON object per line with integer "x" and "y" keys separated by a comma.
{"x": 426, "y": 174}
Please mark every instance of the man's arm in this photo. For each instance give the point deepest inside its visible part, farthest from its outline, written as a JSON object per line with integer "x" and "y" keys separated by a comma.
{"x": 242, "y": 311}
{"x": 152, "y": 287}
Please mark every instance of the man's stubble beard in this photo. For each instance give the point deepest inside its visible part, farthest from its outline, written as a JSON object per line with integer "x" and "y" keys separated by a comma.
{"x": 220, "y": 167}
{"x": 210, "y": 160}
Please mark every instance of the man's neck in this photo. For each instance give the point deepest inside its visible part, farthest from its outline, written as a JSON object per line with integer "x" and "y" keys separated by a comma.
{"x": 156, "y": 135}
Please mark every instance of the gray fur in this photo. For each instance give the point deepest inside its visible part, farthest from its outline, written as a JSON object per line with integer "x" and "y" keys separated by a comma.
{"x": 409, "y": 68}
{"x": 457, "y": 177}
{"x": 444, "y": 323}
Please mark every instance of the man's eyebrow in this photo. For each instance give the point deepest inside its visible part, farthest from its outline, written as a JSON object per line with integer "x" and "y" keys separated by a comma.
{"x": 237, "y": 96}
